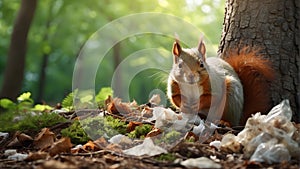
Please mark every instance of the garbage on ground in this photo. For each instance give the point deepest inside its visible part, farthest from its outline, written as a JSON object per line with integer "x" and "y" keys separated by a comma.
{"x": 3, "y": 136}
{"x": 202, "y": 162}
{"x": 120, "y": 139}
{"x": 267, "y": 138}
{"x": 146, "y": 148}
{"x": 12, "y": 154}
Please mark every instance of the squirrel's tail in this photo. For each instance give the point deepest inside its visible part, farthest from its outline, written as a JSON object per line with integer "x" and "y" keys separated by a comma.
{"x": 255, "y": 74}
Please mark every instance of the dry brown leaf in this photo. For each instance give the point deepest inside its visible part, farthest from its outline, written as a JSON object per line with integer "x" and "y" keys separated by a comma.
{"x": 101, "y": 142}
{"x": 191, "y": 136}
{"x": 154, "y": 132}
{"x": 147, "y": 112}
{"x": 24, "y": 139}
{"x": 62, "y": 145}
{"x": 44, "y": 139}
{"x": 132, "y": 125}
{"x": 117, "y": 106}
{"x": 91, "y": 146}
{"x": 114, "y": 147}
{"x": 56, "y": 164}
{"x": 112, "y": 159}
{"x": 36, "y": 156}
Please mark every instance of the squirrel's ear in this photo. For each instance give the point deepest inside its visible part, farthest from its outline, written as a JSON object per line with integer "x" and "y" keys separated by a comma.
{"x": 202, "y": 49}
{"x": 176, "y": 48}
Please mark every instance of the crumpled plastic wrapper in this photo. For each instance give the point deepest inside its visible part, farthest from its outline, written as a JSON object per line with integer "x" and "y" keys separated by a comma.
{"x": 268, "y": 138}
{"x": 147, "y": 148}
{"x": 163, "y": 117}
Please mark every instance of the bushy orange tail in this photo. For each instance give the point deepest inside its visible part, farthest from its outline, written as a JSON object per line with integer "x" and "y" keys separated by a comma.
{"x": 255, "y": 74}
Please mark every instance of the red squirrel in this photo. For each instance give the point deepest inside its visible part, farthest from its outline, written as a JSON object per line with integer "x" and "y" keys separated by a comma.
{"x": 245, "y": 75}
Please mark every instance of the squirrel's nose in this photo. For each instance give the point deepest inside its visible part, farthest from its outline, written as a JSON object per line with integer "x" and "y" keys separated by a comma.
{"x": 191, "y": 78}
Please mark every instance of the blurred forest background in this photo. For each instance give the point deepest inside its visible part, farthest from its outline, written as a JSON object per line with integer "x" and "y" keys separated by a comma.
{"x": 61, "y": 27}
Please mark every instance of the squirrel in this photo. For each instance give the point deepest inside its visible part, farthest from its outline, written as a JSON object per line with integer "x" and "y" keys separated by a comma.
{"x": 245, "y": 77}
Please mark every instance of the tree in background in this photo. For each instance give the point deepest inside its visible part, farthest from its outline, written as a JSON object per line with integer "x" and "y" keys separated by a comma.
{"x": 273, "y": 26}
{"x": 14, "y": 72}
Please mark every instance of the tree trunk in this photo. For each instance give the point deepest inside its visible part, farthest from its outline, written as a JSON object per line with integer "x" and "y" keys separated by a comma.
{"x": 273, "y": 26}
{"x": 14, "y": 71}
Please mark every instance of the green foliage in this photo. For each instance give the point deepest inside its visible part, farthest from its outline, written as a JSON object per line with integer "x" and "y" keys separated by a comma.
{"x": 169, "y": 137}
{"x": 22, "y": 116}
{"x": 76, "y": 133}
{"x": 140, "y": 131}
{"x": 103, "y": 95}
{"x": 59, "y": 32}
{"x": 94, "y": 128}
{"x": 41, "y": 108}
{"x": 25, "y": 101}
{"x": 24, "y": 104}
{"x": 68, "y": 101}
{"x": 7, "y": 104}
{"x": 25, "y": 97}
{"x": 29, "y": 121}
{"x": 166, "y": 157}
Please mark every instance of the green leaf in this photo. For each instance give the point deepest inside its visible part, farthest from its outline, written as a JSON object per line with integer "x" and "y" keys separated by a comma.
{"x": 103, "y": 94}
{"x": 86, "y": 99}
{"x": 40, "y": 107}
{"x": 68, "y": 101}
{"x": 24, "y": 97}
{"x": 6, "y": 103}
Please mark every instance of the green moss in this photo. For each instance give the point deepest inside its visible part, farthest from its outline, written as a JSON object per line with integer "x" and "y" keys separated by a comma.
{"x": 76, "y": 133}
{"x": 28, "y": 121}
{"x": 94, "y": 128}
{"x": 140, "y": 131}
{"x": 166, "y": 157}
{"x": 169, "y": 137}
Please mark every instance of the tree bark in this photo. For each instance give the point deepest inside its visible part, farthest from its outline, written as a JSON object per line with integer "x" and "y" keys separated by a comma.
{"x": 273, "y": 27}
{"x": 14, "y": 71}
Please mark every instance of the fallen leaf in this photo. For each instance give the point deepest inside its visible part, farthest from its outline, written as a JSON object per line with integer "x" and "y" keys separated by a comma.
{"x": 132, "y": 125}
{"x": 90, "y": 146}
{"x": 56, "y": 164}
{"x": 118, "y": 107}
{"x": 44, "y": 139}
{"x": 154, "y": 132}
{"x": 147, "y": 112}
{"x": 19, "y": 140}
{"x": 114, "y": 147}
{"x": 62, "y": 145}
{"x": 36, "y": 156}
{"x": 101, "y": 142}
{"x": 191, "y": 136}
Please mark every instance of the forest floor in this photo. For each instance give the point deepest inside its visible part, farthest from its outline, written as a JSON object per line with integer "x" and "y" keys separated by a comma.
{"x": 47, "y": 149}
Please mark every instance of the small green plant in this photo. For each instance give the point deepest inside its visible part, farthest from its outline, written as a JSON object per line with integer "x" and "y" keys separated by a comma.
{"x": 7, "y": 104}
{"x": 23, "y": 116}
{"x": 76, "y": 133}
{"x": 166, "y": 157}
{"x": 169, "y": 137}
{"x": 103, "y": 95}
{"x": 94, "y": 128}
{"x": 68, "y": 101}
{"x": 28, "y": 121}
{"x": 140, "y": 131}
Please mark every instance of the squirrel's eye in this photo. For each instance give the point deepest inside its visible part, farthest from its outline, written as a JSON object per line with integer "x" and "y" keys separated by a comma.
{"x": 201, "y": 64}
{"x": 180, "y": 65}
